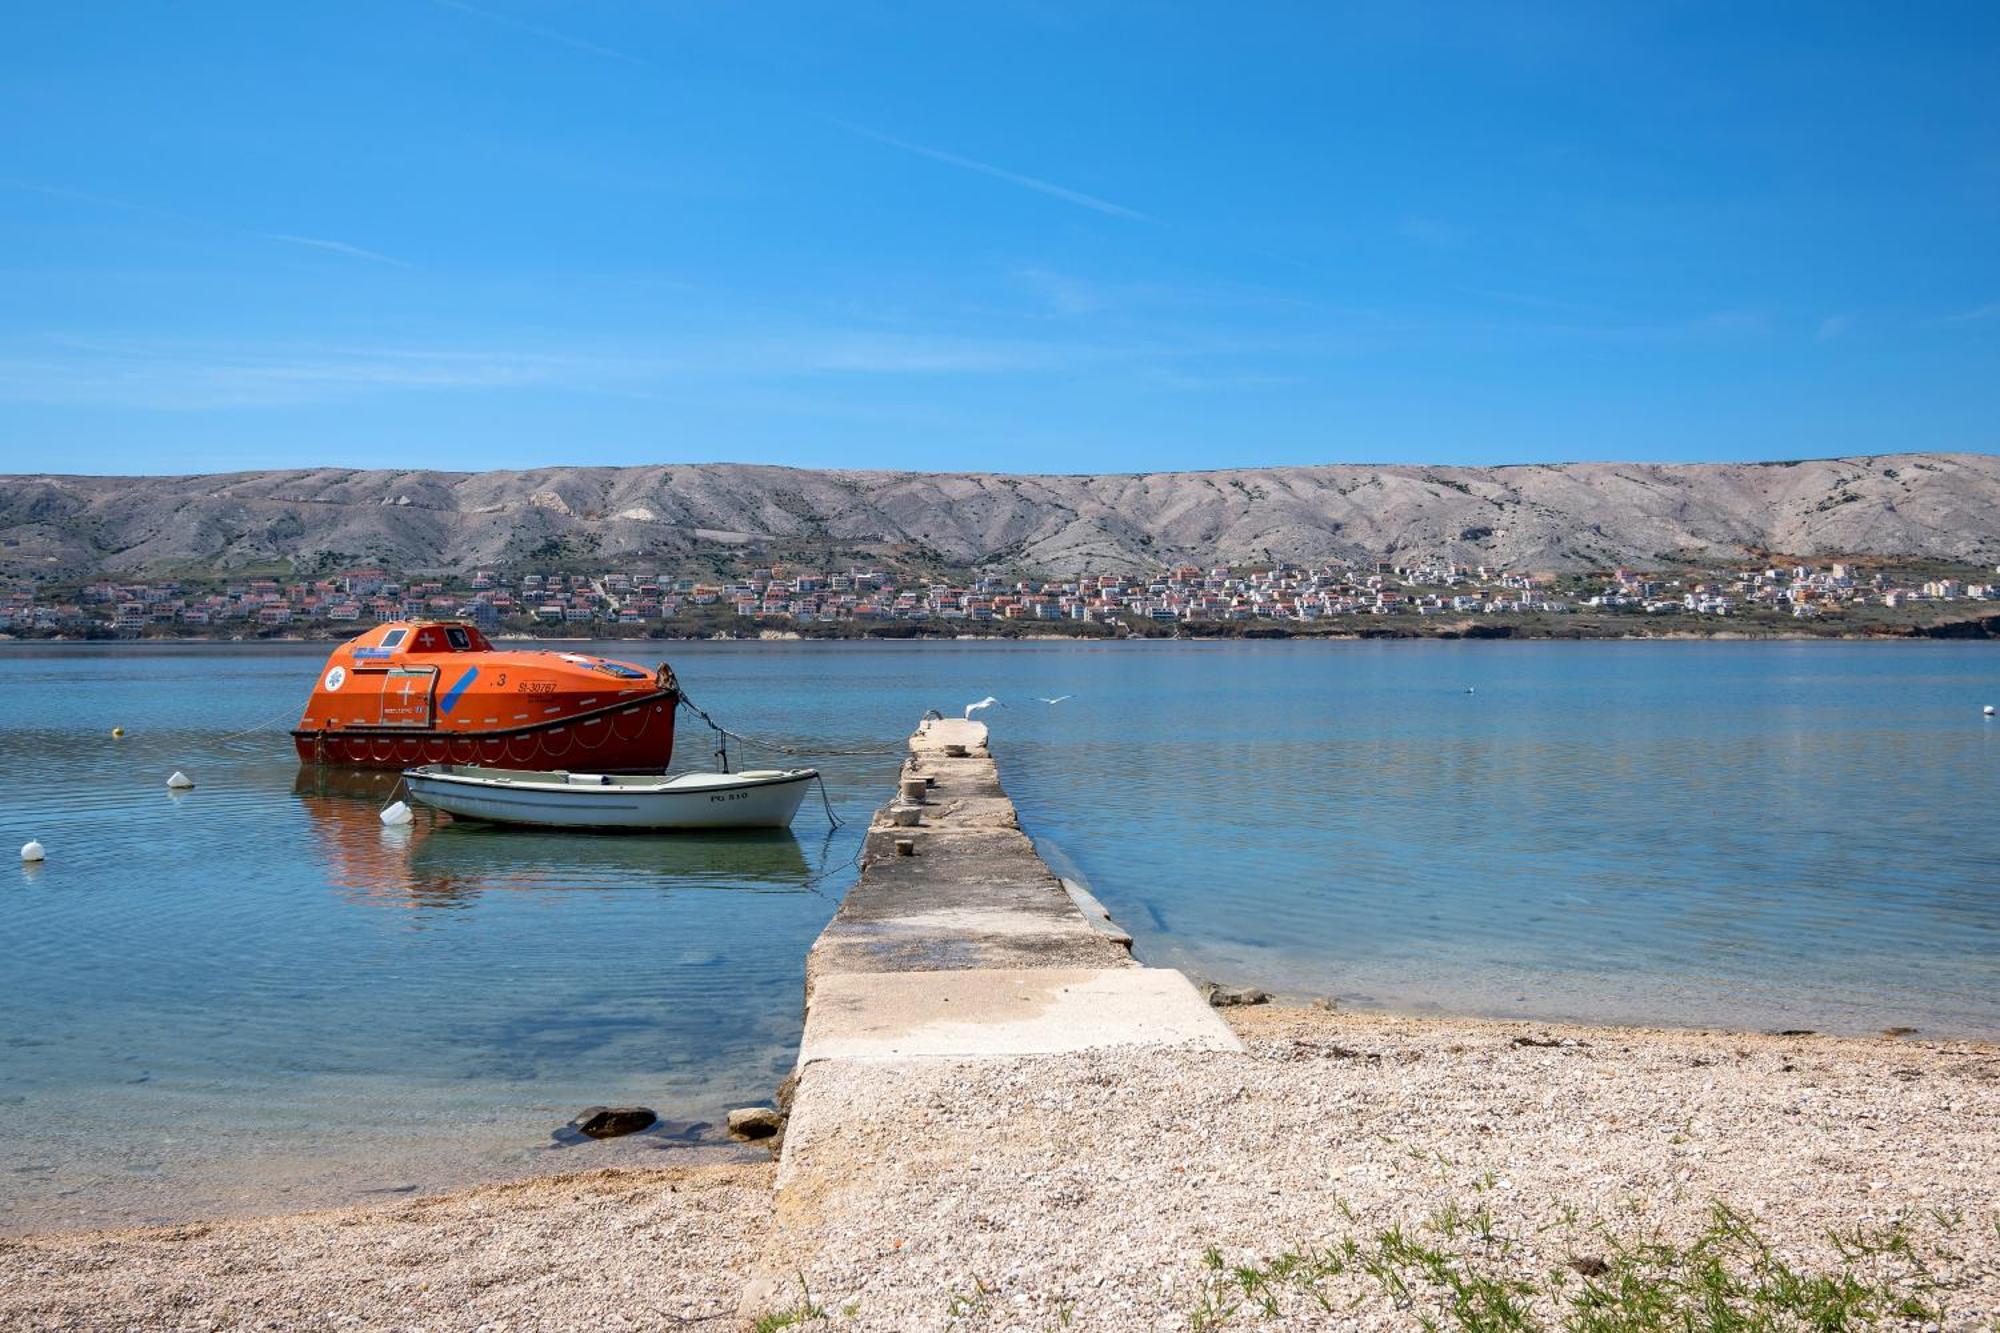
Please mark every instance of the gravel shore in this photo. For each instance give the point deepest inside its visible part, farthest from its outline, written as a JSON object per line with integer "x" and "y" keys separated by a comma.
{"x": 631, "y": 1249}
{"x": 1155, "y": 1190}
{"x": 1353, "y": 1172}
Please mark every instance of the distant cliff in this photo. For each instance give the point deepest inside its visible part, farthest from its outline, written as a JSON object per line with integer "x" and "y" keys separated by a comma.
{"x": 1534, "y": 517}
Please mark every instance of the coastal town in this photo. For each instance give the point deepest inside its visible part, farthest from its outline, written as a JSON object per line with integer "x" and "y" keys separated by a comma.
{"x": 861, "y": 597}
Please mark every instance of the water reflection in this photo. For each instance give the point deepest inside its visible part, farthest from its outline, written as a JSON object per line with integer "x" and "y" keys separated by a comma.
{"x": 437, "y": 862}
{"x": 762, "y": 859}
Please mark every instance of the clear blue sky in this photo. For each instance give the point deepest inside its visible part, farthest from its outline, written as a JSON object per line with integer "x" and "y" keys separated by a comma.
{"x": 1040, "y": 235}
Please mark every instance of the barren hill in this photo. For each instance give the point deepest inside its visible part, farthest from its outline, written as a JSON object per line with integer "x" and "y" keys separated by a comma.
{"x": 1533, "y": 517}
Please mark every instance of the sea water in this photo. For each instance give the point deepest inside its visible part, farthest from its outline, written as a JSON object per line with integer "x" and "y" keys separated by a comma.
{"x": 253, "y": 995}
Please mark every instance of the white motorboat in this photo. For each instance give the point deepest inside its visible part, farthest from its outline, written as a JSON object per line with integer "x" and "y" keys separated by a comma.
{"x": 765, "y": 798}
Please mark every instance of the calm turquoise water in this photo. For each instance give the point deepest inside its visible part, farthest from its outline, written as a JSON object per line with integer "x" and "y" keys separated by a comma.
{"x": 253, "y": 996}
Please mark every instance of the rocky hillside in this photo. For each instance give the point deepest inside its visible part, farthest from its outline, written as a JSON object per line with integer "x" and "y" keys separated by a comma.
{"x": 1535, "y": 517}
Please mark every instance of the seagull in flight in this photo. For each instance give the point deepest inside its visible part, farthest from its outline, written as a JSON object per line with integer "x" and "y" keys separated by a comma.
{"x": 1058, "y": 699}
{"x": 988, "y": 701}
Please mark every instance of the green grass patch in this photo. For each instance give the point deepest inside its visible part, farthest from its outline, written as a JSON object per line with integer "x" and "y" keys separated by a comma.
{"x": 1459, "y": 1270}
{"x": 804, "y": 1313}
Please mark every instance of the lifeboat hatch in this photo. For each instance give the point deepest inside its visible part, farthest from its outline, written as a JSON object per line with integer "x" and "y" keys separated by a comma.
{"x": 406, "y": 696}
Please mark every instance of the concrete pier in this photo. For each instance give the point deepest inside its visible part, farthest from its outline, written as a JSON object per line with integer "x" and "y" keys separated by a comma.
{"x": 967, "y": 944}
{"x": 959, "y": 945}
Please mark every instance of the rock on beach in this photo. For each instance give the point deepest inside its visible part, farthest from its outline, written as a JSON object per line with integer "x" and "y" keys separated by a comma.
{"x": 756, "y": 1122}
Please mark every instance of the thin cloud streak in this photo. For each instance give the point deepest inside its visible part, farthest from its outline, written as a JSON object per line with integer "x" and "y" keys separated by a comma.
{"x": 547, "y": 34}
{"x": 1972, "y": 316}
{"x": 337, "y": 247}
{"x": 58, "y": 192}
{"x": 1049, "y": 188}
{"x": 106, "y": 201}
{"x": 196, "y": 376}
{"x": 188, "y": 220}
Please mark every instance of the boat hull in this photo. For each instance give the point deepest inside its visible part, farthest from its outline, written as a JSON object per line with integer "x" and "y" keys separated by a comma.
{"x": 631, "y": 736}
{"x": 555, "y": 800}
{"x": 411, "y": 692}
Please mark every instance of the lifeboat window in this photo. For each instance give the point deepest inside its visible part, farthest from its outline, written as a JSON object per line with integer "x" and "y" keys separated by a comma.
{"x": 460, "y": 640}
{"x": 394, "y": 638}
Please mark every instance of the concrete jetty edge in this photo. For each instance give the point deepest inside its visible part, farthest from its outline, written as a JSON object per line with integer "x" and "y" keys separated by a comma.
{"x": 962, "y": 942}
{"x": 957, "y": 943}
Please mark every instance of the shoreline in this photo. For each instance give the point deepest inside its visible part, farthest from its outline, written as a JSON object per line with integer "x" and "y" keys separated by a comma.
{"x": 718, "y": 1151}
{"x": 1803, "y": 1134}
{"x": 1981, "y": 630}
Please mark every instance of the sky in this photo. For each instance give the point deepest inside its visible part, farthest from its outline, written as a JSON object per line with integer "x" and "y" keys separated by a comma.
{"x": 1032, "y": 236}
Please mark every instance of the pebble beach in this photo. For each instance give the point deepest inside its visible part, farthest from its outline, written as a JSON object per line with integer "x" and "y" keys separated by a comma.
{"x": 1348, "y": 1171}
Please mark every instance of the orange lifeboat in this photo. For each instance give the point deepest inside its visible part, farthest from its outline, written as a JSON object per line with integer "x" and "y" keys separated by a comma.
{"x": 429, "y": 692}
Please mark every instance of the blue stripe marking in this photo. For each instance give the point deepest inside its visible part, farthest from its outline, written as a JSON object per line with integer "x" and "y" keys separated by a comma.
{"x": 450, "y": 700}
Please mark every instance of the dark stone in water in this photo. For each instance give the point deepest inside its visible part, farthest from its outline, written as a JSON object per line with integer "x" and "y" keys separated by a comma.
{"x": 608, "y": 1122}
{"x": 1792, "y": 1032}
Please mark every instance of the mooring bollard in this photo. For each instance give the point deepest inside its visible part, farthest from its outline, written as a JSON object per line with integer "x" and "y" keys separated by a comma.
{"x": 906, "y": 816}
{"x": 906, "y": 846}
{"x": 955, "y": 752}
{"x": 913, "y": 790}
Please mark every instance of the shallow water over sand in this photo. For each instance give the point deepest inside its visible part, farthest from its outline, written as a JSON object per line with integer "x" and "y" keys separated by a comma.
{"x": 253, "y": 996}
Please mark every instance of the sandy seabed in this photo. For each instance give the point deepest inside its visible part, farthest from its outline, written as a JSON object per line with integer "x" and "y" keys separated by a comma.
{"x": 1159, "y": 1190}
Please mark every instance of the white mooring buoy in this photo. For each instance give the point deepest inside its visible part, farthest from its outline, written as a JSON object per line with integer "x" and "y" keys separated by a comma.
{"x": 33, "y": 852}
{"x": 179, "y": 781}
{"x": 1988, "y": 710}
{"x": 397, "y": 814}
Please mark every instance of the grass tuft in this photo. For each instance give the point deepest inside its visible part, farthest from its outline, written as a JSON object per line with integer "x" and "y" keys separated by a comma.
{"x": 1726, "y": 1279}
{"x": 800, "y": 1314}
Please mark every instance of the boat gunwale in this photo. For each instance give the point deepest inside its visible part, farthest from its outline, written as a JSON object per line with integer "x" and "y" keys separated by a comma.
{"x": 664, "y": 787}
{"x": 377, "y": 730}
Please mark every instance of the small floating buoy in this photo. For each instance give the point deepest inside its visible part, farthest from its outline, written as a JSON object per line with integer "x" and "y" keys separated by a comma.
{"x": 1468, "y": 689}
{"x": 118, "y": 733}
{"x": 33, "y": 852}
{"x": 397, "y": 814}
{"x": 179, "y": 781}
{"x": 1988, "y": 710}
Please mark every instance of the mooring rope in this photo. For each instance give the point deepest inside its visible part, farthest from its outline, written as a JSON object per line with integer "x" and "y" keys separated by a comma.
{"x": 825, "y": 800}
{"x": 814, "y": 880}
{"x": 256, "y": 726}
{"x": 781, "y": 747}
{"x": 724, "y": 735}
{"x": 171, "y": 746}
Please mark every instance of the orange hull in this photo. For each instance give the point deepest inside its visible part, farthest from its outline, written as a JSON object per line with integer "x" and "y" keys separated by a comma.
{"x": 409, "y": 693}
